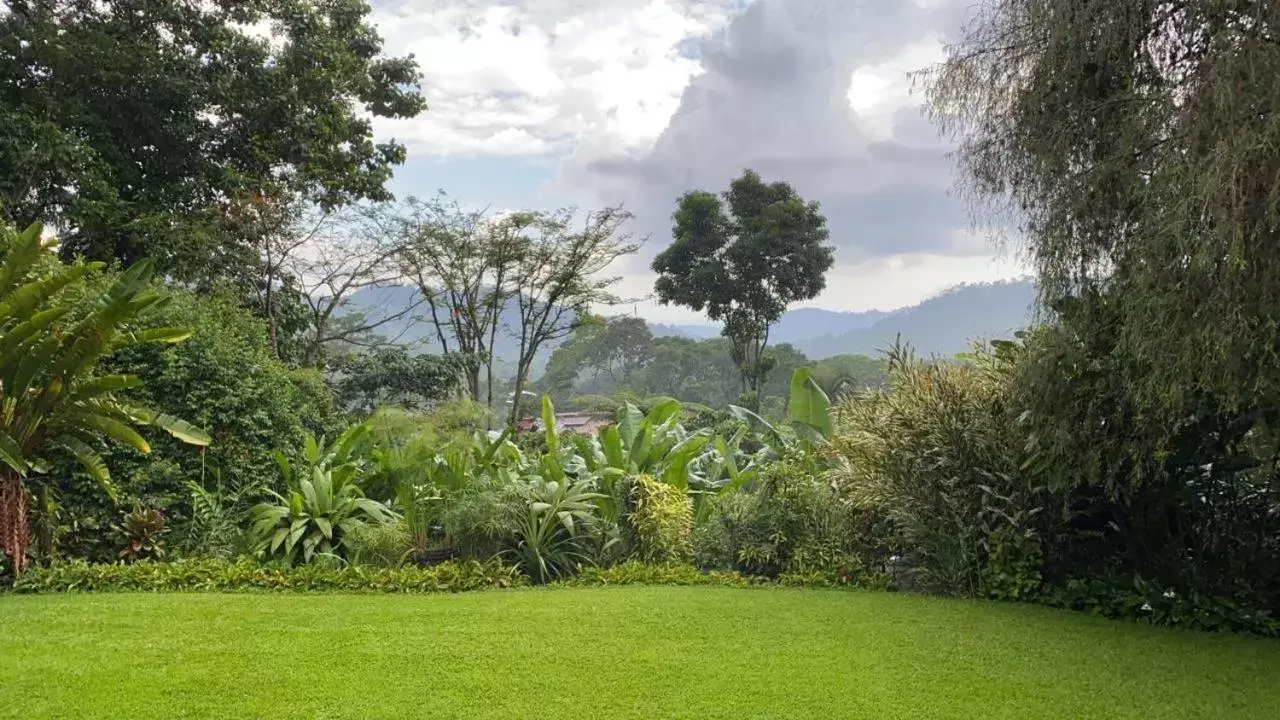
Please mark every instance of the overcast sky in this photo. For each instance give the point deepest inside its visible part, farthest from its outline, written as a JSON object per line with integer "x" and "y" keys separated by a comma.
{"x": 544, "y": 103}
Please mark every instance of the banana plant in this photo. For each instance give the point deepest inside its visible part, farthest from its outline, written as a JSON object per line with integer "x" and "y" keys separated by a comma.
{"x": 51, "y": 400}
{"x": 809, "y": 418}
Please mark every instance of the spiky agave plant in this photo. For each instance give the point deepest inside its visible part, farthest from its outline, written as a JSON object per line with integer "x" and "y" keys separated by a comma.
{"x": 52, "y": 402}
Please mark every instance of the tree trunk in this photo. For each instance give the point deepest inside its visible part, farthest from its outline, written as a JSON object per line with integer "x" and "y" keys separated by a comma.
{"x": 13, "y": 519}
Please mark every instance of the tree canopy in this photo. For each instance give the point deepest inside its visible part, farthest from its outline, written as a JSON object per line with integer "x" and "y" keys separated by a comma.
{"x": 745, "y": 263}
{"x": 142, "y": 128}
{"x": 1136, "y": 143}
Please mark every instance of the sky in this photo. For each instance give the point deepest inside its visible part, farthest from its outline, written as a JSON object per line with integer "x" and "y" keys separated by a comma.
{"x": 542, "y": 104}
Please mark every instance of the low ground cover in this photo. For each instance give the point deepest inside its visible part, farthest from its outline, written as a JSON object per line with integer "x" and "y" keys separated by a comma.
{"x": 610, "y": 652}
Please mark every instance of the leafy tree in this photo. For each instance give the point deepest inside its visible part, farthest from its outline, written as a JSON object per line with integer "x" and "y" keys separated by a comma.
{"x": 393, "y": 376}
{"x": 54, "y": 403}
{"x": 568, "y": 359}
{"x": 145, "y": 127}
{"x": 1137, "y": 146}
{"x": 700, "y": 371}
{"x": 464, "y": 266}
{"x": 334, "y": 257}
{"x": 623, "y": 348}
{"x": 616, "y": 348}
{"x": 842, "y": 374}
{"x": 557, "y": 278}
{"x": 744, "y": 266}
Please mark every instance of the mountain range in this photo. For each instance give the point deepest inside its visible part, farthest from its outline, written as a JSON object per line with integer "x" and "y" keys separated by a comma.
{"x": 941, "y": 325}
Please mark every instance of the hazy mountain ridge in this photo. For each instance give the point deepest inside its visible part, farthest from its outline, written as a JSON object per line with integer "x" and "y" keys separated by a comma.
{"x": 944, "y": 324}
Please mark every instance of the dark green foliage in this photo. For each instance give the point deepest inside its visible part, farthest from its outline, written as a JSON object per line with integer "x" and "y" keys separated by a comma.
{"x": 393, "y": 376}
{"x": 57, "y": 326}
{"x": 789, "y": 522}
{"x": 225, "y": 379}
{"x": 143, "y": 125}
{"x": 661, "y": 518}
{"x": 1138, "y": 145}
{"x": 142, "y": 530}
{"x": 745, "y": 264}
{"x": 249, "y": 576}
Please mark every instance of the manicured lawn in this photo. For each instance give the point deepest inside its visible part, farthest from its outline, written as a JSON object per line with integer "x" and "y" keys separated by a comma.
{"x": 640, "y": 652}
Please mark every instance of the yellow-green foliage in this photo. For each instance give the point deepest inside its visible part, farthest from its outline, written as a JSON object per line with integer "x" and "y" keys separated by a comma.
{"x": 662, "y": 519}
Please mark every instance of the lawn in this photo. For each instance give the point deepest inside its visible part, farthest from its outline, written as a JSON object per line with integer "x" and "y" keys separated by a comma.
{"x": 636, "y": 652}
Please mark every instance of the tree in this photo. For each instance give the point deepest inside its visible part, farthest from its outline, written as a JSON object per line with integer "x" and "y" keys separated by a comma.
{"x": 622, "y": 349}
{"x": 569, "y": 358}
{"x": 1136, "y": 146}
{"x": 139, "y": 126}
{"x": 393, "y": 376}
{"x": 464, "y": 265}
{"x": 699, "y": 371}
{"x": 557, "y": 277}
{"x": 840, "y": 375}
{"x": 335, "y": 257}
{"x": 744, "y": 267}
{"x": 54, "y": 403}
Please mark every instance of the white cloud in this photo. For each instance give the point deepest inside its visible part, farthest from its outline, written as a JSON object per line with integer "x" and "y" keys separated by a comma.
{"x": 542, "y": 77}
{"x": 877, "y": 91}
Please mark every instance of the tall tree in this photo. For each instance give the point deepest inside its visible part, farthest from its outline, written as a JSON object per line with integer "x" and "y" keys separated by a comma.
{"x": 138, "y": 125}
{"x": 558, "y": 277}
{"x": 746, "y": 265}
{"x": 335, "y": 258}
{"x": 1138, "y": 146}
{"x": 463, "y": 263}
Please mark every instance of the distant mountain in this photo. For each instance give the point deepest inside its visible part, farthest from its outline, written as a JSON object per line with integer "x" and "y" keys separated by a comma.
{"x": 796, "y": 325}
{"x": 941, "y": 325}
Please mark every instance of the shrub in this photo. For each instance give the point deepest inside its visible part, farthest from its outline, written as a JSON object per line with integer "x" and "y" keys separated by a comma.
{"x": 790, "y": 522}
{"x": 661, "y": 518}
{"x": 314, "y": 519}
{"x": 936, "y": 455}
{"x": 637, "y": 573}
{"x": 245, "y": 575}
{"x": 556, "y": 534}
{"x": 385, "y": 544}
{"x": 143, "y": 532}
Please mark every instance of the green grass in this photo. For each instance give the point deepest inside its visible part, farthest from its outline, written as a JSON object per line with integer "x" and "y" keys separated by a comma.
{"x": 634, "y": 652}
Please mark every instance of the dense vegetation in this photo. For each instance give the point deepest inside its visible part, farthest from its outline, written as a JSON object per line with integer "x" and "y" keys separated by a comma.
{"x": 1120, "y": 456}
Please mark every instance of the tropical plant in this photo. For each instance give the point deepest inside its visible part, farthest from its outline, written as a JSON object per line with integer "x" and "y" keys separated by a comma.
{"x": 383, "y": 544}
{"x": 143, "y": 531}
{"x": 935, "y": 454}
{"x": 51, "y": 400}
{"x": 214, "y": 527}
{"x": 313, "y": 520}
{"x": 661, "y": 517}
{"x": 555, "y": 534}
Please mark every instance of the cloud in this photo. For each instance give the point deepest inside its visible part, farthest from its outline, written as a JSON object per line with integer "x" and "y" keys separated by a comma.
{"x": 816, "y": 93}
{"x": 639, "y": 101}
{"x": 540, "y": 77}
